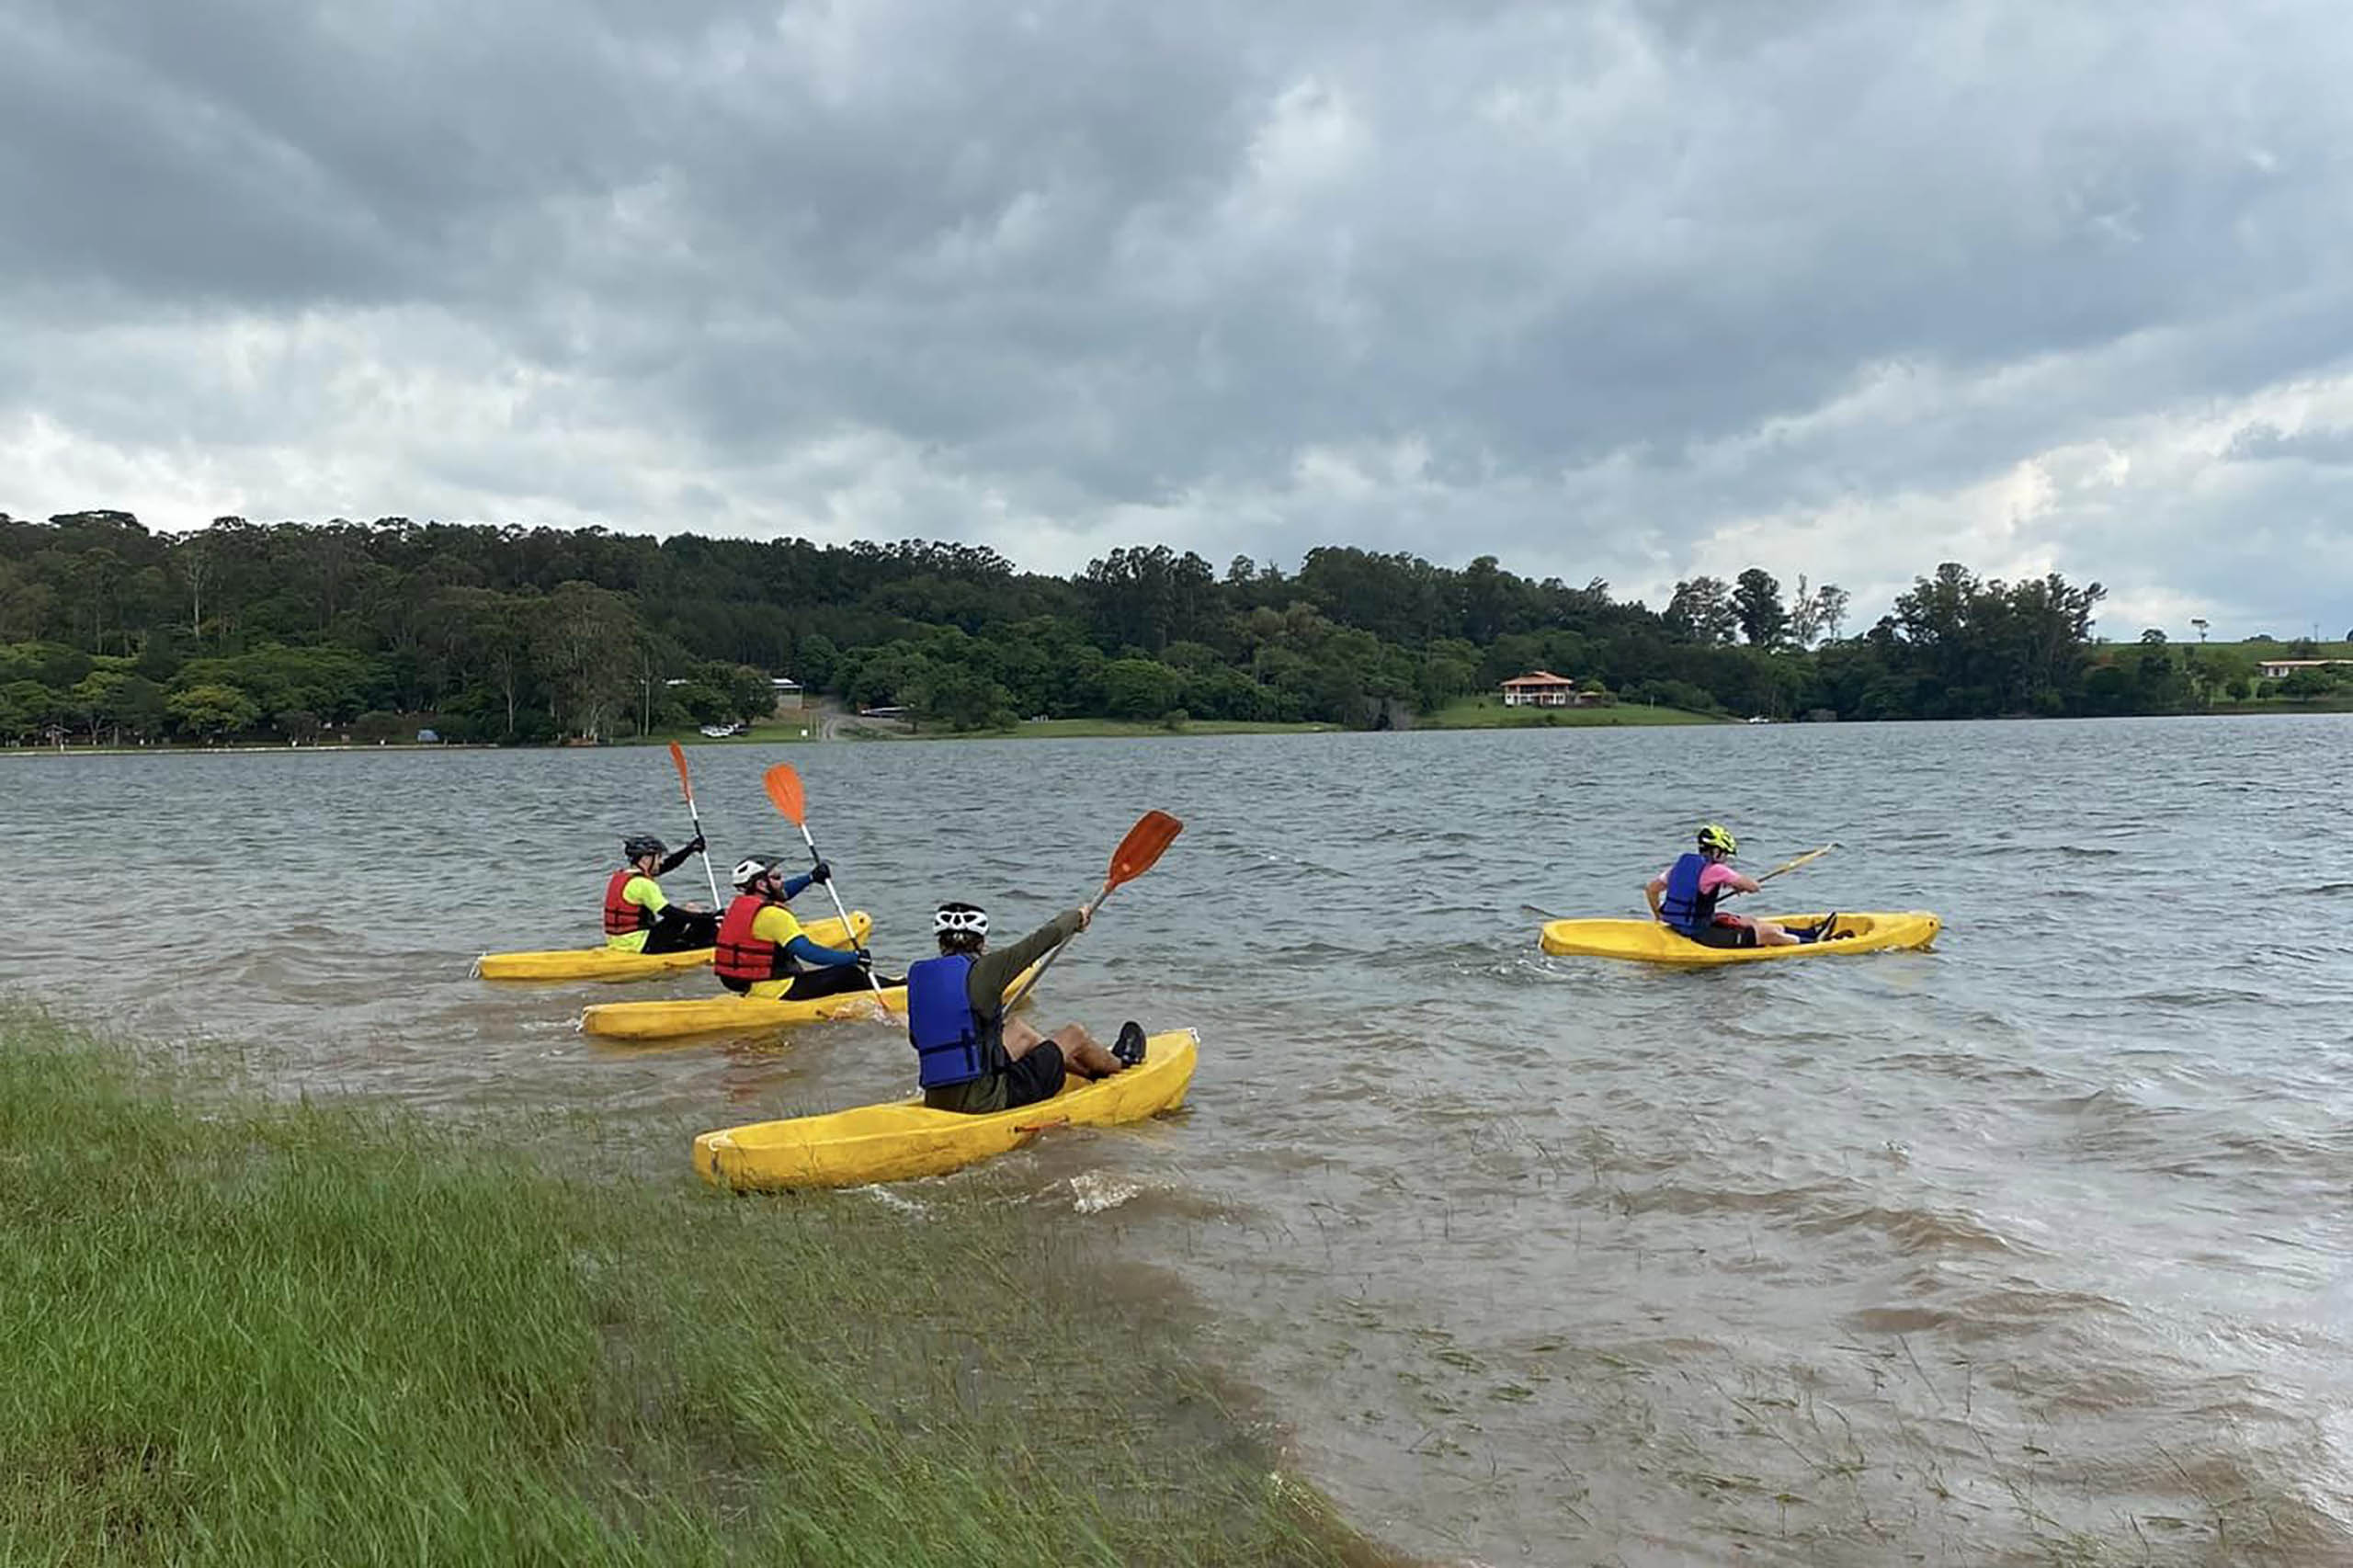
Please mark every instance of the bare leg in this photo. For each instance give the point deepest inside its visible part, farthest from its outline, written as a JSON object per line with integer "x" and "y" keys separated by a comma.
{"x": 1772, "y": 935}
{"x": 1082, "y": 1057}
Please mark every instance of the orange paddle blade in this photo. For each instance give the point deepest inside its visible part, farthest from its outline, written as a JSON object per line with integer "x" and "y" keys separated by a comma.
{"x": 1154, "y": 832}
{"x": 784, "y": 788}
{"x": 678, "y": 759}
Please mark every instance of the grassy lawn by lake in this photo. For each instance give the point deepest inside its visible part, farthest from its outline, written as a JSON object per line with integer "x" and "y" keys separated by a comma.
{"x": 1469, "y": 713}
{"x": 2332, "y": 704}
{"x": 764, "y": 732}
{"x": 2261, "y": 651}
{"x": 1081, "y": 729}
{"x": 1068, "y": 729}
{"x": 246, "y": 1331}
{"x": 1489, "y": 713}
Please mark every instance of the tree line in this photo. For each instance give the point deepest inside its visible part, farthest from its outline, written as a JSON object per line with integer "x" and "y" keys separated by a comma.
{"x": 295, "y": 631}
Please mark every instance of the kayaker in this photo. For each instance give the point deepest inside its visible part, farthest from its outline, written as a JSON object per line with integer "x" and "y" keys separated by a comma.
{"x": 1684, "y": 897}
{"x": 972, "y": 1057}
{"x": 639, "y": 917}
{"x": 763, "y": 951}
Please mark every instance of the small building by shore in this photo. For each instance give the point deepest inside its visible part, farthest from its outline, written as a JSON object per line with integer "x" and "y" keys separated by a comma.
{"x": 1542, "y": 689}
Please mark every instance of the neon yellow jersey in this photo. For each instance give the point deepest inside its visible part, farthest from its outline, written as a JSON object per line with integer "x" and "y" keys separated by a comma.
{"x": 646, "y": 892}
{"x": 775, "y": 923}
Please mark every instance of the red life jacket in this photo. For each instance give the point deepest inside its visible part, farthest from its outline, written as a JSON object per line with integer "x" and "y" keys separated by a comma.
{"x": 743, "y": 958}
{"x": 621, "y": 917}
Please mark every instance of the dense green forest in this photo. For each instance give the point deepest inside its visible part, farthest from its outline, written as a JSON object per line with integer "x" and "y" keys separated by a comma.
{"x": 295, "y": 631}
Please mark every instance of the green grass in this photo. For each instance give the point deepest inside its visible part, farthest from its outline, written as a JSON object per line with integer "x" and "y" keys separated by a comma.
{"x": 2280, "y": 650}
{"x": 1043, "y": 729}
{"x": 1065, "y": 729}
{"x": 764, "y": 732}
{"x": 1489, "y": 713}
{"x": 246, "y": 1333}
{"x": 2338, "y": 702}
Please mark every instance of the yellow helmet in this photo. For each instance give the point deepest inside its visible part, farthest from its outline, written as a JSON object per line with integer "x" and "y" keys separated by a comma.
{"x": 1714, "y": 837}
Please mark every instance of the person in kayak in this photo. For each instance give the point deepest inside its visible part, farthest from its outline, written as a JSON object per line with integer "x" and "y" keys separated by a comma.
{"x": 1683, "y": 898}
{"x": 763, "y": 951}
{"x": 639, "y": 917}
{"x": 969, "y": 1056}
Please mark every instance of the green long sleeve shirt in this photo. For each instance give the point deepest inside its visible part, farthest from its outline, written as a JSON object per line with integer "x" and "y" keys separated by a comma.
{"x": 994, "y": 970}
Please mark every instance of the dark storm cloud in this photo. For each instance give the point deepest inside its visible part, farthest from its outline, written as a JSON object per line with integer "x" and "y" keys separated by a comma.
{"x": 1621, "y": 289}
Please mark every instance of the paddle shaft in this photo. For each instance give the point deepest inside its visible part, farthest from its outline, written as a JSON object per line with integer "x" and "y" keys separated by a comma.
{"x": 709, "y": 876}
{"x": 849, "y": 931}
{"x": 695, "y": 817}
{"x": 1015, "y": 1000}
{"x": 1793, "y": 865}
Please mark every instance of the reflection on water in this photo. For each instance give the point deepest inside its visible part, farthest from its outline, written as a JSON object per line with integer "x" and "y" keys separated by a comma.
{"x": 2030, "y": 1246}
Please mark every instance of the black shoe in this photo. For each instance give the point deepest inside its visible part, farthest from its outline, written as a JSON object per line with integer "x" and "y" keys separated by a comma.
{"x": 1828, "y": 928}
{"x": 1129, "y": 1047}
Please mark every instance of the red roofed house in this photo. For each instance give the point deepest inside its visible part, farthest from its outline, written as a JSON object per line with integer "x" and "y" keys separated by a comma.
{"x": 1542, "y": 689}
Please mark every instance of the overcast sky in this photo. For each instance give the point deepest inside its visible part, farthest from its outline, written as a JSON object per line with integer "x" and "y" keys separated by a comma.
{"x": 1634, "y": 290}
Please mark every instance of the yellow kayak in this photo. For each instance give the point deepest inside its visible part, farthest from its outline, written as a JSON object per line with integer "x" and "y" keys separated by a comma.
{"x": 894, "y": 1143}
{"x": 1647, "y": 941}
{"x": 728, "y": 1013}
{"x": 612, "y": 963}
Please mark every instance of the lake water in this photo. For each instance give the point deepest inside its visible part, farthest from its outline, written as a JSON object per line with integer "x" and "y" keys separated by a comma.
{"x": 2030, "y": 1249}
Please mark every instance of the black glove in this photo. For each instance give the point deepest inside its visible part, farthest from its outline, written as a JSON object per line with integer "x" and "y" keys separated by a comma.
{"x": 820, "y": 872}
{"x": 696, "y": 847}
{"x": 864, "y": 959}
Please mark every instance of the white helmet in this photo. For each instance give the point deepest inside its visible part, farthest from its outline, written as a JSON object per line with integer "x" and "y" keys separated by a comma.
{"x": 960, "y": 917}
{"x": 748, "y": 871}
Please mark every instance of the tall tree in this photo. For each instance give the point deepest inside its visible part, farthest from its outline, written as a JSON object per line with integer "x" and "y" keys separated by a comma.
{"x": 1756, "y": 601}
{"x": 1830, "y": 609}
{"x": 1701, "y": 611}
{"x": 583, "y": 644}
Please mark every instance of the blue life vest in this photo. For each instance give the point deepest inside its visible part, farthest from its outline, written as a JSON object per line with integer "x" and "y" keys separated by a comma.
{"x": 952, "y": 1042}
{"x": 1685, "y": 907}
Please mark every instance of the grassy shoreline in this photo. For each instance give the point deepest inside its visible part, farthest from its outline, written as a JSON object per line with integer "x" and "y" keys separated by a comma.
{"x": 340, "y": 1332}
{"x": 1122, "y": 729}
{"x": 1489, "y": 713}
{"x": 1471, "y": 714}
{"x": 2266, "y": 707}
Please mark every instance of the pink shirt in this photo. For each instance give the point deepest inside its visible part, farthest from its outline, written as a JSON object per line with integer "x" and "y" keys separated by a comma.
{"x": 1713, "y": 876}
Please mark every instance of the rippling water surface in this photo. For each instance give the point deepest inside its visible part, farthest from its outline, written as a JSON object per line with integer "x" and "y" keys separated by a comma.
{"x": 2032, "y": 1249}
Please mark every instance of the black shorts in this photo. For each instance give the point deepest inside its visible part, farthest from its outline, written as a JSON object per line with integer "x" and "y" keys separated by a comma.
{"x": 1725, "y": 933}
{"x": 1024, "y": 1081}
{"x": 675, "y": 931}
{"x": 1035, "y": 1076}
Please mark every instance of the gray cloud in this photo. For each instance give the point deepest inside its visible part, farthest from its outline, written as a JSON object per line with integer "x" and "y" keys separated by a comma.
{"x": 2266, "y": 442}
{"x": 1634, "y": 290}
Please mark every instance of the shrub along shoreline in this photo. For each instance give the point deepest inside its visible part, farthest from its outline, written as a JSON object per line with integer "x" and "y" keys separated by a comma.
{"x": 337, "y": 1331}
